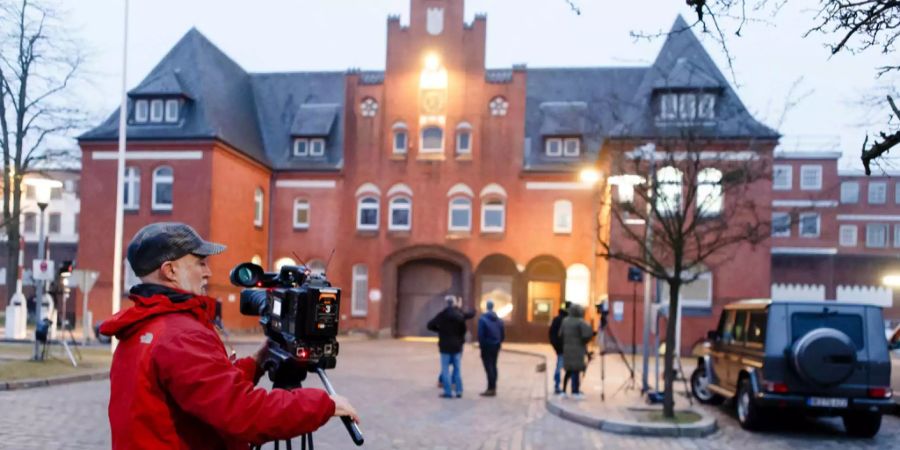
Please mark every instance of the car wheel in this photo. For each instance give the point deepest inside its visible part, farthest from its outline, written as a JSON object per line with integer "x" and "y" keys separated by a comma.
{"x": 748, "y": 412}
{"x": 862, "y": 424}
{"x": 700, "y": 388}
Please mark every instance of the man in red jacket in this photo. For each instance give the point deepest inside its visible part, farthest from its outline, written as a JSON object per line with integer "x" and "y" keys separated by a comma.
{"x": 173, "y": 385}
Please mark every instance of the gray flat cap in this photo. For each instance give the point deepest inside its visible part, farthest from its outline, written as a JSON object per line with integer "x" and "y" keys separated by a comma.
{"x": 166, "y": 241}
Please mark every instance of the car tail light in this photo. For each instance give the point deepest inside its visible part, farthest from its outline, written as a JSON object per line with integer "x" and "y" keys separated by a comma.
{"x": 778, "y": 388}
{"x": 880, "y": 392}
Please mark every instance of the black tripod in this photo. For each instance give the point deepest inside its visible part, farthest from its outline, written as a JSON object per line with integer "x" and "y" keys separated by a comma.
{"x": 604, "y": 334}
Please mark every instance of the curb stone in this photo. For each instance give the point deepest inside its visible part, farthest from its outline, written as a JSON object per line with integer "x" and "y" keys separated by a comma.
{"x": 53, "y": 381}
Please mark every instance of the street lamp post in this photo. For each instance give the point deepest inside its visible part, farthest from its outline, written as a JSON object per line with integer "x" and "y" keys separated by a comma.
{"x": 591, "y": 177}
{"x": 42, "y": 191}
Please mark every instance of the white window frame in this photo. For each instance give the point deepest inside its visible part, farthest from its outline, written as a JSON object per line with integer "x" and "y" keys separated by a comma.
{"x": 706, "y": 106}
{"x": 141, "y": 111}
{"x": 159, "y": 179}
{"x": 818, "y": 225}
{"x": 359, "y": 209}
{"x": 132, "y": 179}
{"x": 669, "y": 190}
{"x": 710, "y": 199}
{"x": 359, "y": 304}
{"x": 787, "y": 231}
{"x": 897, "y": 194}
{"x": 259, "y": 199}
{"x": 548, "y": 145}
{"x": 25, "y": 217}
{"x": 489, "y": 205}
{"x": 562, "y": 209}
{"x": 50, "y": 217}
{"x": 848, "y": 235}
{"x": 399, "y": 203}
{"x": 573, "y": 154}
{"x": 869, "y": 235}
{"x": 786, "y": 182}
{"x": 400, "y": 129}
{"x": 668, "y": 106}
{"x": 850, "y": 192}
{"x": 873, "y": 188}
{"x": 172, "y": 107}
{"x": 314, "y": 144}
{"x": 897, "y": 236}
{"x": 817, "y": 170}
{"x": 157, "y": 110}
{"x": 422, "y": 148}
{"x": 458, "y": 207}
{"x": 301, "y": 204}
{"x": 297, "y": 150}
{"x": 460, "y": 150}
{"x": 687, "y": 106}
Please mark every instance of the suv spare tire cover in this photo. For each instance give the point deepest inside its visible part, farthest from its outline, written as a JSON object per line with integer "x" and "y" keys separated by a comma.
{"x": 824, "y": 356}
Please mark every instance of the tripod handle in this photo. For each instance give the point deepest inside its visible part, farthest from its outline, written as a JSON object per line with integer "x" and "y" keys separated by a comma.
{"x": 352, "y": 427}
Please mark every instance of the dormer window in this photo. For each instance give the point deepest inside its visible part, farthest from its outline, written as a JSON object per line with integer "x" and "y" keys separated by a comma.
{"x": 141, "y": 111}
{"x": 687, "y": 106}
{"x": 157, "y": 110}
{"x": 309, "y": 147}
{"x": 563, "y": 147}
{"x": 172, "y": 110}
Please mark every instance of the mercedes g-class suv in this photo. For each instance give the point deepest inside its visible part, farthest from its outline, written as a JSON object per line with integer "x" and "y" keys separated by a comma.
{"x": 820, "y": 358}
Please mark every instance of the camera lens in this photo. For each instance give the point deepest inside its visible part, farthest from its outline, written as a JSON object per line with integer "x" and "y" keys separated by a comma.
{"x": 253, "y": 302}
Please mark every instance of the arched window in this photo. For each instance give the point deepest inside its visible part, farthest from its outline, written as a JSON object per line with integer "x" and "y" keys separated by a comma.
{"x": 367, "y": 213}
{"x": 493, "y": 215}
{"x": 460, "y": 214}
{"x": 163, "y": 179}
{"x": 578, "y": 284}
{"x": 359, "y": 303}
{"x": 400, "y": 213}
{"x": 301, "y": 214}
{"x": 463, "y": 139}
{"x": 258, "y": 207}
{"x": 709, "y": 193}
{"x": 669, "y": 190}
{"x": 562, "y": 217}
{"x": 401, "y": 138}
{"x": 132, "y": 188}
{"x": 432, "y": 140}
{"x": 284, "y": 262}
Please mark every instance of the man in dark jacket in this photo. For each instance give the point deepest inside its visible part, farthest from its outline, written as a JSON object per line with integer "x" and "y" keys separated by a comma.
{"x": 450, "y": 325}
{"x": 490, "y": 337}
{"x": 556, "y": 342}
{"x": 172, "y": 384}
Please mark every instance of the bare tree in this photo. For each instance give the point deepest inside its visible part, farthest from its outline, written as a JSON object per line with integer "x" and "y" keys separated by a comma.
{"x": 39, "y": 62}
{"x": 696, "y": 207}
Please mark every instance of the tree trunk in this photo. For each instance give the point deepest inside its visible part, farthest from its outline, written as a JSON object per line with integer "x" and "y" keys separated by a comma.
{"x": 671, "y": 342}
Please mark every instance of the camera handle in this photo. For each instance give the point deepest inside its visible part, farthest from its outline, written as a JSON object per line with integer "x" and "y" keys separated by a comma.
{"x": 351, "y": 426}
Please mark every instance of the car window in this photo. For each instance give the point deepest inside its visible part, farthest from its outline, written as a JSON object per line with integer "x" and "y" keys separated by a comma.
{"x": 740, "y": 327}
{"x": 726, "y": 326}
{"x": 756, "y": 328}
{"x": 849, "y": 324}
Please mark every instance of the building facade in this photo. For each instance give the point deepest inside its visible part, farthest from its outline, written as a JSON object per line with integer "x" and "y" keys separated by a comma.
{"x": 435, "y": 177}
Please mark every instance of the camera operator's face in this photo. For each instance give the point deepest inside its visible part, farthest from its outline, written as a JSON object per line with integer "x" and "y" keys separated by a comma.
{"x": 189, "y": 273}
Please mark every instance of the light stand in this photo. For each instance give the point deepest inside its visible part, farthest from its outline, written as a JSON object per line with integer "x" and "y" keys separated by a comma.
{"x": 42, "y": 192}
{"x": 635, "y": 277}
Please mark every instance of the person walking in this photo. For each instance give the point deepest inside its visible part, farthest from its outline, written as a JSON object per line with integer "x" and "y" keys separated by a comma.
{"x": 556, "y": 342}
{"x": 490, "y": 337}
{"x": 450, "y": 325}
{"x": 575, "y": 333}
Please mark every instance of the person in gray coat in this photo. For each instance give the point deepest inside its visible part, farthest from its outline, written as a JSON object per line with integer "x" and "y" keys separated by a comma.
{"x": 575, "y": 333}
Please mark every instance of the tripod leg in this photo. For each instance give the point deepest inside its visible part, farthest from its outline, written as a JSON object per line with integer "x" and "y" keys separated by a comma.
{"x": 277, "y": 444}
{"x": 310, "y": 441}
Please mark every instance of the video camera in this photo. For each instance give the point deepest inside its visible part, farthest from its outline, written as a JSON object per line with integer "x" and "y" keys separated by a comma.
{"x": 299, "y": 311}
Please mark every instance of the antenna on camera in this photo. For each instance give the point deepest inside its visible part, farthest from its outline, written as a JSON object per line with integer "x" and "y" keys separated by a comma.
{"x": 299, "y": 259}
{"x": 329, "y": 261}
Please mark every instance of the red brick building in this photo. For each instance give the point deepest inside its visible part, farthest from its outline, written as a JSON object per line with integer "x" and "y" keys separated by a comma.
{"x": 434, "y": 177}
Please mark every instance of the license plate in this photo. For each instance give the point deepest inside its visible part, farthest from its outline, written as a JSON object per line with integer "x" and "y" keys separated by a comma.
{"x": 822, "y": 402}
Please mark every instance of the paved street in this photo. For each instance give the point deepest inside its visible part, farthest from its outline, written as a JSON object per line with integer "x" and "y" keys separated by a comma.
{"x": 393, "y": 385}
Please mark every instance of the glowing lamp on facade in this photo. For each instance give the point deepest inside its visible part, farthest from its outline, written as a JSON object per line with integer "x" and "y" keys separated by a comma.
{"x": 432, "y": 61}
{"x": 434, "y": 75}
{"x": 589, "y": 176}
{"x": 892, "y": 281}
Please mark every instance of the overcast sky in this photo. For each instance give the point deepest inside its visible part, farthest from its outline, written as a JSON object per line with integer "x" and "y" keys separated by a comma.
{"x": 301, "y": 35}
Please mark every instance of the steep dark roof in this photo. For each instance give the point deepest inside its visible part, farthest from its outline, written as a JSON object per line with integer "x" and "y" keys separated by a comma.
{"x": 286, "y": 100}
{"x": 222, "y": 105}
{"x": 315, "y": 119}
{"x": 684, "y": 63}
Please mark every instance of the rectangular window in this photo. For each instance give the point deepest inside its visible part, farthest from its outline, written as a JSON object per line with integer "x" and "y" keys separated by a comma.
{"x": 492, "y": 217}
{"x": 740, "y": 327}
{"x": 141, "y": 111}
{"x": 896, "y": 236}
{"x": 849, "y": 324}
{"x": 30, "y": 223}
{"x": 400, "y": 142}
{"x": 54, "y": 223}
{"x": 464, "y": 142}
{"x": 696, "y": 294}
{"x": 301, "y": 147}
{"x": 171, "y": 110}
{"x": 876, "y": 235}
{"x": 562, "y": 217}
{"x": 317, "y": 147}
{"x": 29, "y": 192}
{"x": 781, "y": 177}
{"x": 897, "y": 193}
{"x": 301, "y": 214}
{"x": 809, "y": 224}
{"x": 706, "y": 109}
{"x": 848, "y": 235}
{"x": 360, "y": 300}
{"x": 756, "y": 329}
{"x": 668, "y": 106}
{"x": 781, "y": 225}
{"x": 554, "y": 147}
{"x": 75, "y": 223}
{"x": 131, "y": 189}
{"x": 811, "y": 178}
{"x": 156, "y": 110}
{"x": 572, "y": 147}
{"x": 56, "y": 193}
{"x": 877, "y": 193}
{"x": 849, "y": 192}
{"x": 460, "y": 214}
{"x": 687, "y": 106}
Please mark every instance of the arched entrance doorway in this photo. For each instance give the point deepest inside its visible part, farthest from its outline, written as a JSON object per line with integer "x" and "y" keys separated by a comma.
{"x": 416, "y": 282}
{"x": 545, "y": 288}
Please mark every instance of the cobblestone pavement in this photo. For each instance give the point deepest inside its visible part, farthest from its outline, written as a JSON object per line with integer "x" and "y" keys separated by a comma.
{"x": 392, "y": 383}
